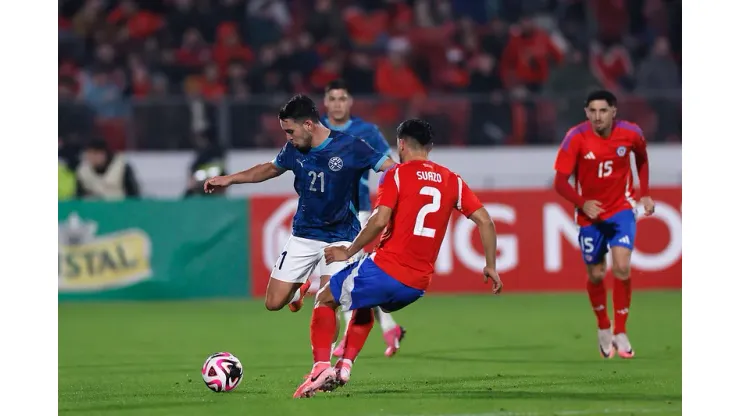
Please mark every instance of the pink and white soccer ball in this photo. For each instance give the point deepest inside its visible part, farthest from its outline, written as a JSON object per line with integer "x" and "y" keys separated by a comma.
{"x": 222, "y": 371}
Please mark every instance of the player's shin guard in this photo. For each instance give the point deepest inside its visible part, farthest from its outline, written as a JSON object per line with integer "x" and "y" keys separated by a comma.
{"x": 323, "y": 328}
{"x": 597, "y": 296}
{"x": 357, "y": 332}
{"x": 622, "y": 298}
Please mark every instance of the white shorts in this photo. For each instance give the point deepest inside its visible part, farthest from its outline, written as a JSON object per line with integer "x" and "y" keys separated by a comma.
{"x": 301, "y": 256}
{"x": 363, "y": 216}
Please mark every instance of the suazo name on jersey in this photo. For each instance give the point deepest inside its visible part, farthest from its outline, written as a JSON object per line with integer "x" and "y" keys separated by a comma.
{"x": 370, "y": 133}
{"x": 326, "y": 181}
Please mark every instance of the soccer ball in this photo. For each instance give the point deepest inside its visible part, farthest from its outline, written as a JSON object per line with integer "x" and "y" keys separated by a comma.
{"x": 222, "y": 371}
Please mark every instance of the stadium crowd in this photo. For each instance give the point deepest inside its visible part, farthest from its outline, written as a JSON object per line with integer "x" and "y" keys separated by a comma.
{"x": 167, "y": 74}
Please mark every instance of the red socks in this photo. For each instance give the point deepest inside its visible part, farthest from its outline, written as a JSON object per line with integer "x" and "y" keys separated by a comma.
{"x": 597, "y": 295}
{"x": 323, "y": 328}
{"x": 622, "y": 298}
{"x": 357, "y": 331}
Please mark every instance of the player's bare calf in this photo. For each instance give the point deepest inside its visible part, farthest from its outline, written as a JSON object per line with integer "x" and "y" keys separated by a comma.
{"x": 280, "y": 293}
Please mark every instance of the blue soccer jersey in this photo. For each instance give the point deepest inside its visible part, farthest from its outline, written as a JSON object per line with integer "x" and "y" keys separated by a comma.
{"x": 369, "y": 132}
{"x": 327, "y": 179}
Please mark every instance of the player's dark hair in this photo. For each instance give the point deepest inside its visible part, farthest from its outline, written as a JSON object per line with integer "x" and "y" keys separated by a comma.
{"x": 299, "y": 108}
{"x": 599, "y": 95}
{"x": 97, "y": 144}
{"x": 337, "y": 84}
{"x": 417, "y": 130}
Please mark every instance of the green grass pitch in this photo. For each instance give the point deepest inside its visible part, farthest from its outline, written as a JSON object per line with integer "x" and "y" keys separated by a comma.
{"x": 513, "y": 355}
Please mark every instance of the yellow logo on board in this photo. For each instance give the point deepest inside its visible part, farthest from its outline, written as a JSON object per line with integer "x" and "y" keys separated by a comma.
{"x": 90, "y": 262}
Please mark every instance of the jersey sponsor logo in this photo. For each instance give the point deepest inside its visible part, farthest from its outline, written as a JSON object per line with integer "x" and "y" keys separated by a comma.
{"x": 589, "y": 156}
{"x": 90, "y": 262}
{"x": 621, "y": 151}
{"x": 336, "y": 163}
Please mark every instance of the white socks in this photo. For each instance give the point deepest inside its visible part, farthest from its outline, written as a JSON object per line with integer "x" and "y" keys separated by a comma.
{"x": 347, "y": 315}
{"x": 384, "y": 319}
{"x": 296, "y": 296}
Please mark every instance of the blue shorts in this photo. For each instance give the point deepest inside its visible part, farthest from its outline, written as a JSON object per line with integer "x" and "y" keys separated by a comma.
{"x": 364, "y": 285}
{"x": 617, "y": 230}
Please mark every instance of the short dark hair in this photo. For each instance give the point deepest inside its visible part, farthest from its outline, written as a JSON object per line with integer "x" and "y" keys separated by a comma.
{"x": 417, "y": 130}
{"x": 97, "y": 144}
{"x": 605, "y": 95}
{"x": 299, "y": 108}
{"x": 337, "y": 84}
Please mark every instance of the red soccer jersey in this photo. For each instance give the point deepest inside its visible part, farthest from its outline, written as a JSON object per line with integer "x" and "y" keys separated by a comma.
{"x": 602, "y": 166}
{"x": 422, "y": 195}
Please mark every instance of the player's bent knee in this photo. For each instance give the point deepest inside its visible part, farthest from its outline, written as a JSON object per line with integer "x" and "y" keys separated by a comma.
{"x": 274, "y": 303}
{"x": 621, "y": 271}
{"x": 596, "y": 272}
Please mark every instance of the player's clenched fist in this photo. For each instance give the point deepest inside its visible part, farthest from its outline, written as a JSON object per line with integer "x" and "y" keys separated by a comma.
{"x": 336, "y": 253}
{"x": 216, "y": 182}
{"x": 649, "y": 205}
{"x": 489, "y": 273}
{"x": 592, "y": 209}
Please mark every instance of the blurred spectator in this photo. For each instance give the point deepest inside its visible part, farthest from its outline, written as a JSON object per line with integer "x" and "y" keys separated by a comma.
{"x": 359, "y": 73}
{"x": 612, "y": 64}
{"x": 659, "y": 76}
{"x": 89, "y": 18}
{"x": 140, "y": 79}
{"x": 102, "y": 94}
{"x": 328, "y": 71}
{"x": 236, "y": 80}
{"x": 134, "y": 23}
{"x": 194, "y": 52}
{"x": 325, "y": 22}
{"x": 365, "y": 28}
{"x": 267, "y": 19}
{"x": 454, "y": 75}
{"x": 659, "y": 71}
{"x": 209, "y": 162}
{"x": 229, "y": 47}
{"x": 305, "y": 57}
{"x": 186, "y": 15}
{"x": 573, "y": 77}
{"x": 66, "y": 180}
{"x": 490, "y": 118}
{"x": 568, "y": 84}
{"x": 528, "y": 55}
{"x": 105, "y": 175}
{"x": 208, "y": 85}
{"x": 432, "y": 13}
{"x": 485, "y": 76}
{"x": 394, "y": 78}
{"x": 496, "y": 37}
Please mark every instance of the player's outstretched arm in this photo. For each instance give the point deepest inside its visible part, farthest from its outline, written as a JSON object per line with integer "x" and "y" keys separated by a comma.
{"x": 375, "y": 225}
{"x": 487, "y": 230}
{"x": 258, "y": 173}
{"x": 255, "y": 174}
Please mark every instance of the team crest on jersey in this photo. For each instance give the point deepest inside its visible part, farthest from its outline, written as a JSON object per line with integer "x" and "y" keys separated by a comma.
{"x": 621, "y": 151}
{"x": 336, "y": 163}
